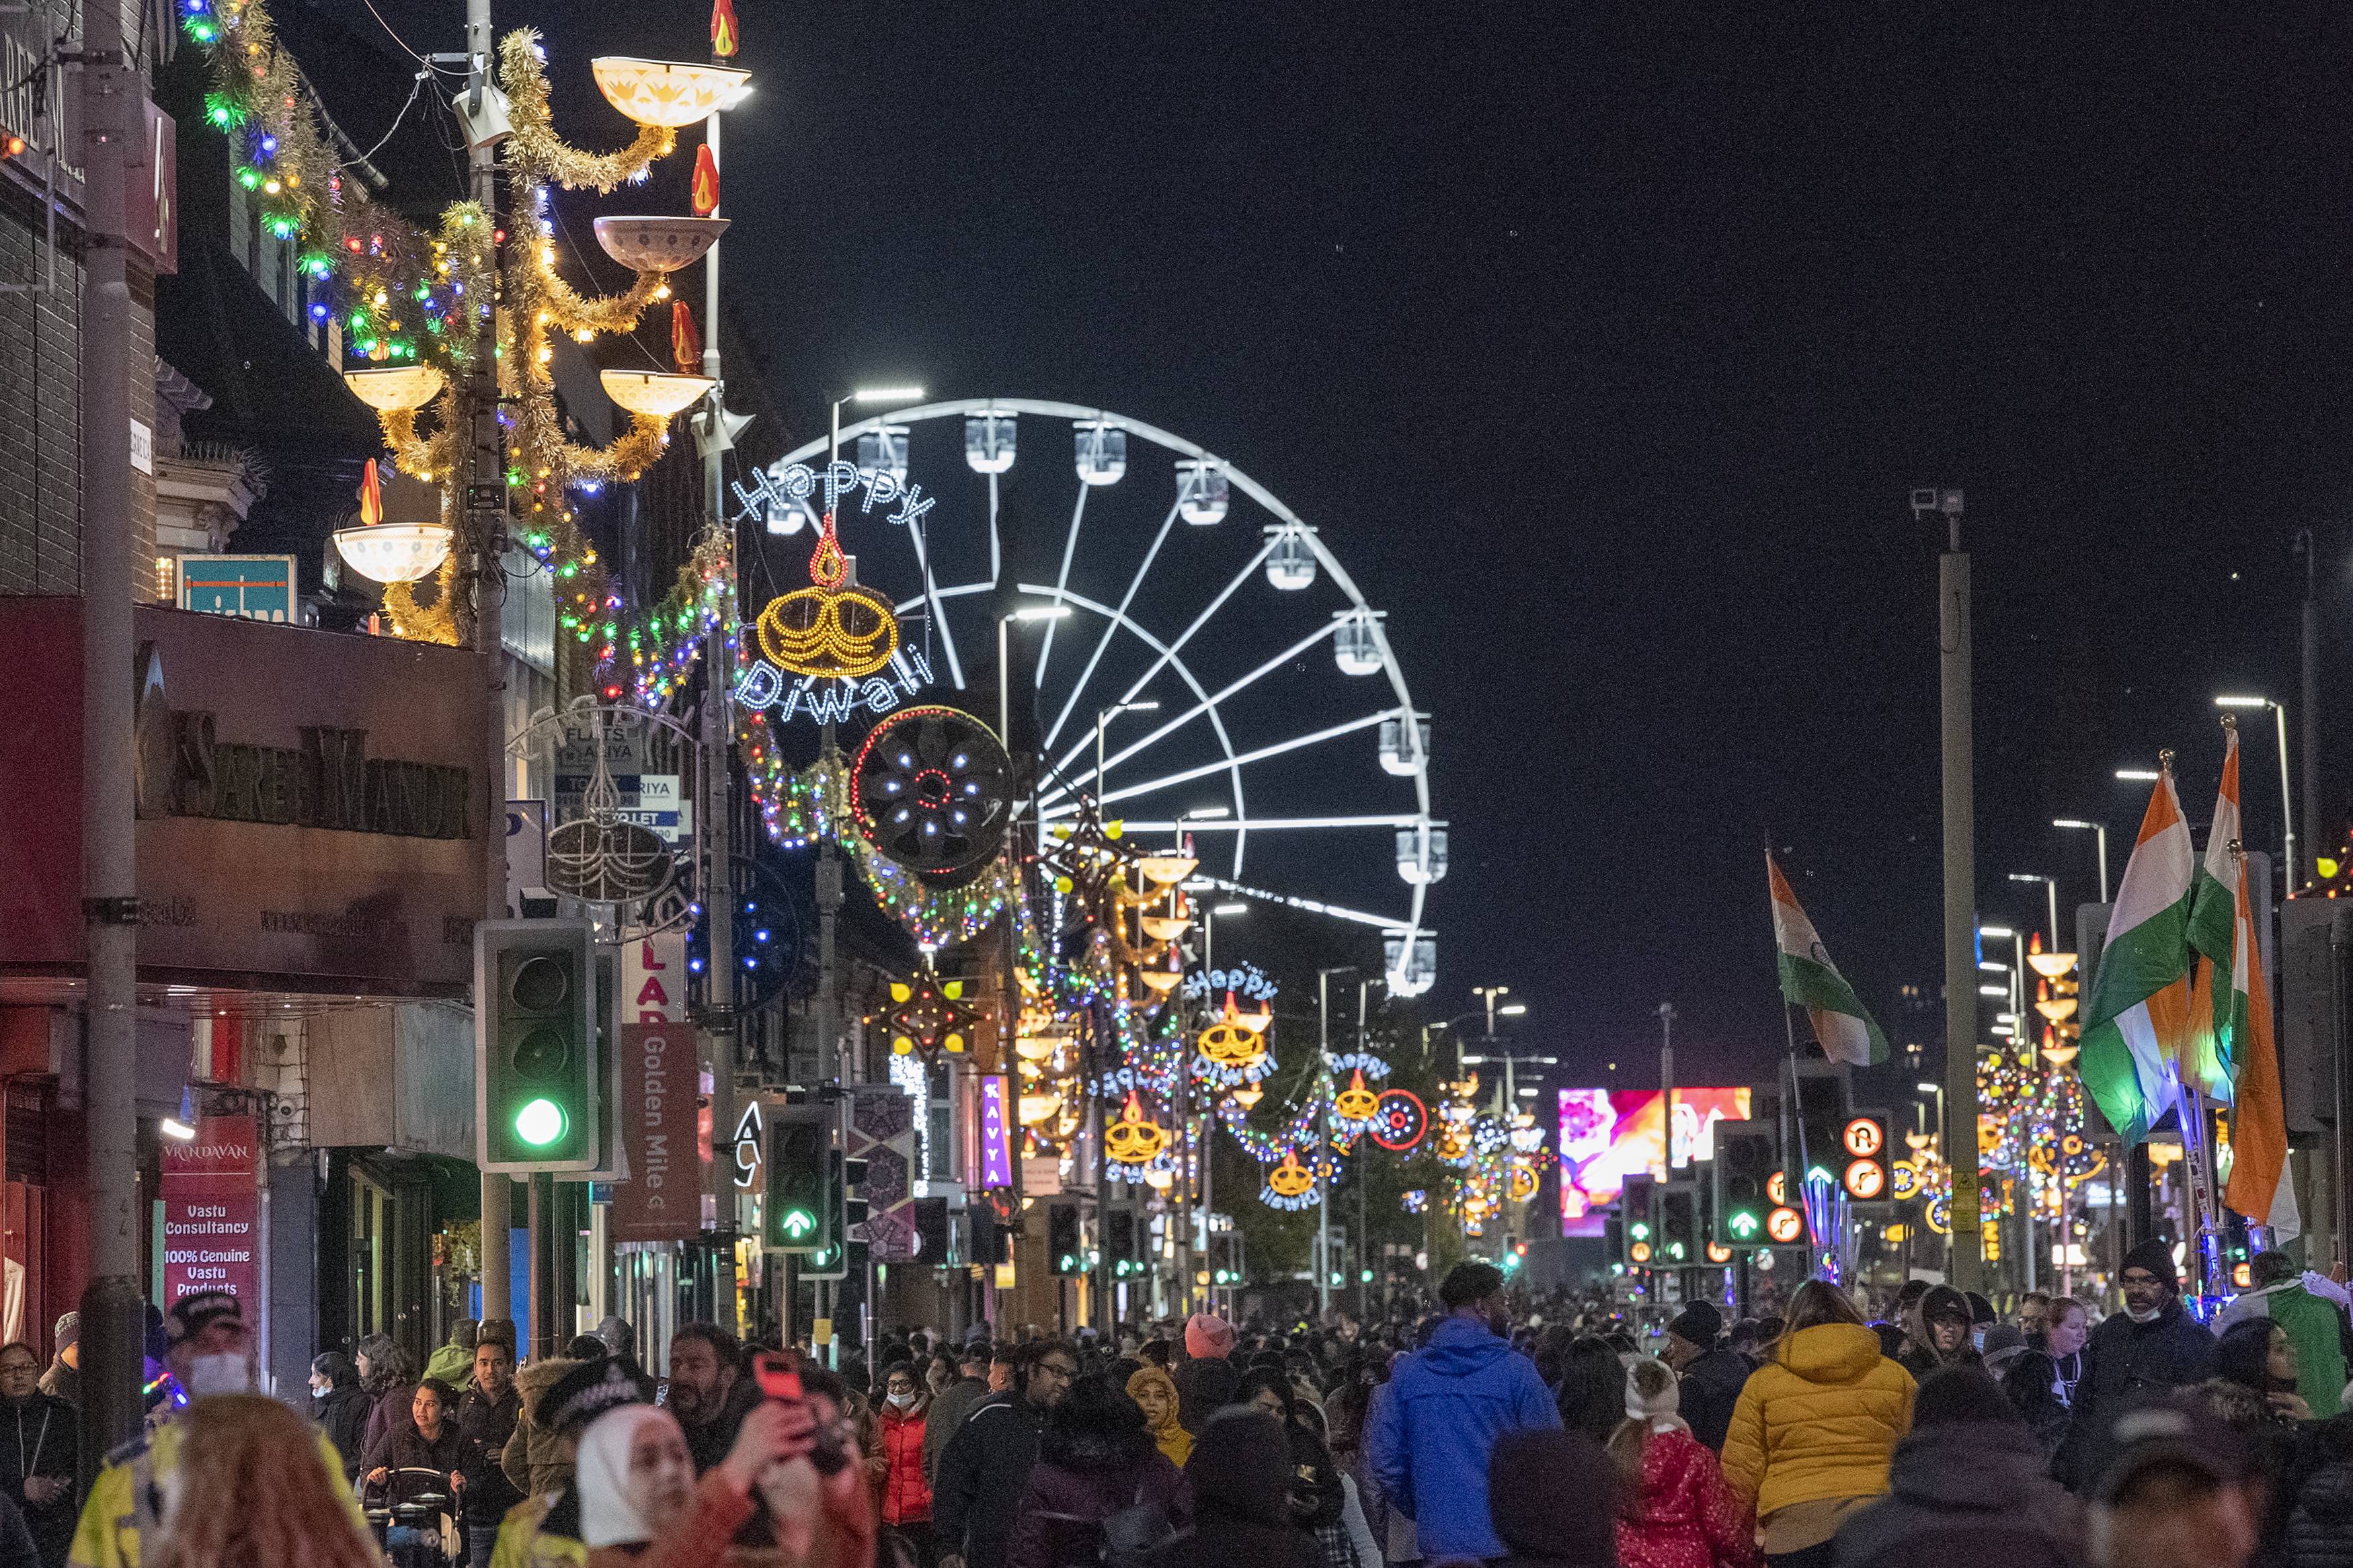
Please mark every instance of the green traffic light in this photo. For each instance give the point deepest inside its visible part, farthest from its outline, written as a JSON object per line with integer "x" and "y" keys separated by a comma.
{"x": 1639, "y": 1231}
{"x": 797, "y": 1223}
{"x": 540, "y": 1122}
{"x": 1743, "y": 1224}
{"x": 1364, "y": 1276}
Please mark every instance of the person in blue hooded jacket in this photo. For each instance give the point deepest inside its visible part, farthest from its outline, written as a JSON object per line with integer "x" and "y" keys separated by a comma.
{"x": 1446, "y": 1404}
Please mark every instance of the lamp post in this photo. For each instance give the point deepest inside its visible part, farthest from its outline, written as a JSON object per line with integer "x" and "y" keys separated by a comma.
{"x": 1667, "y": 1081}
{"x": 2101, "y": 829}
{"x": 2287, "y": 817}
{"x": 1323, "y": 1134}
{"x": 1026, "y": 614}
{"x": 1103, "y": 716}
{"x": 2051, "y": 890}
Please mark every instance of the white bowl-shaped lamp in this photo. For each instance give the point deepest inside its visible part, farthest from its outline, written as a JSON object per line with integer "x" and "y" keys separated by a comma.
{"x": 650, "y": 243}
{"x": 1166, "y": 870}
{"x": 395, "y": 552}
{"x": 668, "y": 93}
{"x": 655, "y": 394}
{"x": 2051, "y": 966}
{"x": 391, "y": 391}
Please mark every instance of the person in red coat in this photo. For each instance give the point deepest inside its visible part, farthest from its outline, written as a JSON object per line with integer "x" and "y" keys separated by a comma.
{"x": 906, "y": 1500}
{"x": 1674, "y": 1509}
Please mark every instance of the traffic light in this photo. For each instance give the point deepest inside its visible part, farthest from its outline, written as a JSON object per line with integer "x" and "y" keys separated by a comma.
{"x": 1816, "y": 1147}
{"x": 1119, "y": 1243}
{"x": 538, "y": 1094}
{"x": 832, "y": 1261}
{"x": 1745, "y": 1163}
{"x": 1865, "y": 1168}
{"x": 798, "y": 1214}
{"x": 1062, "y": 1239}
{"x": 1679, "y": 1238}
{"x": 1637, "y": 1204}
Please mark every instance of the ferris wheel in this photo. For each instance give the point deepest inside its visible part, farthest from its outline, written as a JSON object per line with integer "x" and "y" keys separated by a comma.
{"x": 1168, "y": 618}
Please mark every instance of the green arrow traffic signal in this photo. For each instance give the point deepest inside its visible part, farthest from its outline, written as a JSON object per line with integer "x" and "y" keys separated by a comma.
{"x": 1639, "y": 1230}
{"x": 798, "y": 1223}
{"x": 1743, "y": 1224}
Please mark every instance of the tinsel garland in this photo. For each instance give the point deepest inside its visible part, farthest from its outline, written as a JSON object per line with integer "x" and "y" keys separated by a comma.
{"x": 535, "y": 150}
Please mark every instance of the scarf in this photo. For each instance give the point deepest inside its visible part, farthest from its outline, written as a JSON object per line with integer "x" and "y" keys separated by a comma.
{"x": 608, "y": 1514}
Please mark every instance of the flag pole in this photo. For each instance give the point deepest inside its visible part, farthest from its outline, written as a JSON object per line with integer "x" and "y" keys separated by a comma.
{"x": 1796, "y": 1083}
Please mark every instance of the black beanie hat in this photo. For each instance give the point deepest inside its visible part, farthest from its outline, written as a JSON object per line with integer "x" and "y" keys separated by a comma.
{"x": 2156, "y": 1256}
{"x": 1701, "y": 1323}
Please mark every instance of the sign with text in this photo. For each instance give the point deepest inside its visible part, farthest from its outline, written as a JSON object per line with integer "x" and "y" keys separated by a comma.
{"x": 661, "y": 1082}
{"x": 212, "y": 1212}
{"x": 995, "y": 1131}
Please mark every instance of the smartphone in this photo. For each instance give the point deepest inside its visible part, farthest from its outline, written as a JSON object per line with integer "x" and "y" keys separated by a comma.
{"x": 779, "y": 1377}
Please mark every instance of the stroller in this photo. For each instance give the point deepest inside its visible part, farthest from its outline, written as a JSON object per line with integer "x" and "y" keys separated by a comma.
{"x": 414, "y": 1518}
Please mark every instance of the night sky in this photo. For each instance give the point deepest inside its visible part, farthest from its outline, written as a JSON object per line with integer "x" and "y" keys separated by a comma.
{"x": 1605, "y": 342}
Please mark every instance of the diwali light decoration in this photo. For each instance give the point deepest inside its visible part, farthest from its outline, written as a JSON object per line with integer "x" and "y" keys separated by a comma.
{"x": 1400, "y": 1121}
{"x": 665, "y": 95}
{"x": 832, "y": 629}
{"x": 1290, "y": 1186}
{"x": 928, "y": 1016}
{"x": 1131, "y": 1138}
{"x": 929, "y": 789}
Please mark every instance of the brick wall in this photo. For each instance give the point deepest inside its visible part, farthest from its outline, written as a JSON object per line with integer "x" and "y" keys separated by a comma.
{"x": 40, "y": 394}
{"x": 39, "y": 411}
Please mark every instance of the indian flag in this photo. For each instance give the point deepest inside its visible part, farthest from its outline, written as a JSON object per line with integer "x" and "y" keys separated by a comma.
{"x": 2138, "y": 1022}
{"x": 2217, "y": 918}
{"x": 2259, "y": 1187}
{"x": 1811, "y": 981}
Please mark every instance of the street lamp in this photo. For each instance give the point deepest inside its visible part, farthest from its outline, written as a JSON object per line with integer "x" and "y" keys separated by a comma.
{"x": 1103, "y": 716}
{"x": 1210, "y": 918}
{"x": 1025, "y": 614}
{"x": 2287, "y": 820}
{"x": 2050, "y": 889}
{"x": 868, "y": 394}
{"x": 2137, "y": 775}
{"x": 2101, "y": 829}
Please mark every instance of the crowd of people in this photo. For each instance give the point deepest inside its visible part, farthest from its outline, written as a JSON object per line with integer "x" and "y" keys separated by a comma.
{"x": 1836, "y": 1433}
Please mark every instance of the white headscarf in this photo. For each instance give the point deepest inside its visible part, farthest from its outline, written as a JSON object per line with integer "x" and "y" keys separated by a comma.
{"x": 608, "y": 1513}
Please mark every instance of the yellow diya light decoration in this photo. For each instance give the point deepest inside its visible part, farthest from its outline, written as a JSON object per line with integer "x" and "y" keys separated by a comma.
{"x": 1134, "y": 1138}
{"x": 832, "y": 627}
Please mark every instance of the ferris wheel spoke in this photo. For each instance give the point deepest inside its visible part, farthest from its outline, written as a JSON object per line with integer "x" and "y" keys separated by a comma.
{"x": 1203, "y": 706}
{"x": 1389, "y": 924}
{"x": 1207, "y": 825}
{"x": 996, "y": 542}
{"x": 1061, "y": 583}
{"x": 1223, "y": 765}
{"x": 1103, "y": 641}
{"x": 931, "y": 601}
{"x": 1168, "y": 651}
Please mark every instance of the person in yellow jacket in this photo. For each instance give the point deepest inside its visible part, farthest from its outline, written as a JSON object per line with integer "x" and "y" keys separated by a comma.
{"x": 211, "y": 1351}
{"x": 1815, "y": 1427}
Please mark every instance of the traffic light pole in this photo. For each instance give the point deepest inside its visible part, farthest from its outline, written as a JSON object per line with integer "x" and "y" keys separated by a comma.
{"x": 477, "y": 419}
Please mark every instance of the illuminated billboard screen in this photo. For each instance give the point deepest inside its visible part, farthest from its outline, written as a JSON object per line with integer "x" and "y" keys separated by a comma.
{"x": 1607, "y": 1136}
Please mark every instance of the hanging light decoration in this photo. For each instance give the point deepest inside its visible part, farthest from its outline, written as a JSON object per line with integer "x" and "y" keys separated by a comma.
{"x": 666, "y": 93}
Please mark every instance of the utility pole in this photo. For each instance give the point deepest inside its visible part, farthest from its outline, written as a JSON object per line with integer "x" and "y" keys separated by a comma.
{"x": 720, "y": 1036}
{"x": 477, "y": 414}
{"x": 110, "y": 1310}
{"x": 1667, "y": 1082}
{"x": 2314, "y": 842}
{"x": 1961, "y": 889}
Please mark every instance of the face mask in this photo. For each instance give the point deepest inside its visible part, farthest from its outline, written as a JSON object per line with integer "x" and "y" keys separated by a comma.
{"x": 898, "y": 1401}
{"x": 1976, "y": 1339}
{"x": 319, "y": 1394}
{"x": 228, "y": 1372}
{"x": 2147, "y": 1317}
